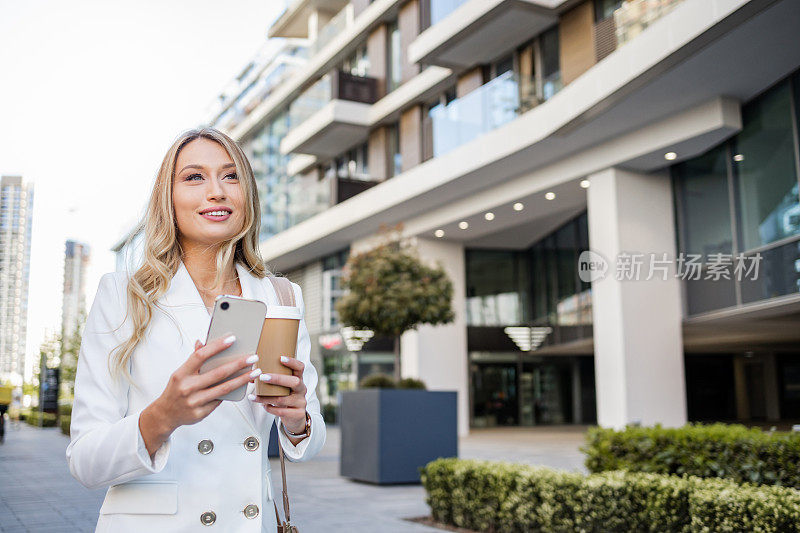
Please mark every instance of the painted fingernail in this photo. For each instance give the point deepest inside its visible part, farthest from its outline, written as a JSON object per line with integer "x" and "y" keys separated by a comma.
{"x": 252, "y": 359}
{"x": 251, "y": 397}
{"x": 255, "y": 373}
{"x": 230, "y": 340}
{"x": 284, "y": 359}
{"x": 265, "y": 377}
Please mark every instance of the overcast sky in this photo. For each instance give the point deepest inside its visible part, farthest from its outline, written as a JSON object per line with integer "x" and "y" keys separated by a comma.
{"x": 92, "y": 93}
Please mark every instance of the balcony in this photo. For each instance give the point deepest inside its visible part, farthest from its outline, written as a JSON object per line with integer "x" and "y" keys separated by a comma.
{"x": 465, "y": 33}
{"x": 294, "y": 22}
{"x": 492, "y": 105}
{"x": 326, "y": 127}
{"x": 629, "y": 20}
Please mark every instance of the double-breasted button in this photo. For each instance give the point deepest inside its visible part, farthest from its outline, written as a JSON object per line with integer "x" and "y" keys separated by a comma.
{"x": 251, "y": 511}
{"x": 205, "y": 446}
{"x": 251, "y": 444}
{"x": 208, "y": 518}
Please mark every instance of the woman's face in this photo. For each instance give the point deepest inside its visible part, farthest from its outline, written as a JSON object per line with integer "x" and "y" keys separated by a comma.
{"x": 206, "y": 194}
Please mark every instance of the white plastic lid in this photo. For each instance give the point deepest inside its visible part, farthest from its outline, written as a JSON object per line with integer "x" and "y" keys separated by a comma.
{"x": 283, "y": 311}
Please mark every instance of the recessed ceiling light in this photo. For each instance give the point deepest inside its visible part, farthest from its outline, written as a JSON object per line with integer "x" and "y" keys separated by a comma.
{"x": 489, "y": 216}
{"x": 518, "y": 206}
{"x": 670, "y": 156}
{"x": 585, "y": 184}
{"x": 550, "y": 196}
{"x": 463, "y": 224}
{"x": 439, "y": 233}
{"x": 738, "y": 157}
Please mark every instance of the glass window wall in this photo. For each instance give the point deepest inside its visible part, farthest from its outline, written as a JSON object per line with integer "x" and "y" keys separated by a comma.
{"x": 765, "y": 169}
{"x": 741, "y": 198}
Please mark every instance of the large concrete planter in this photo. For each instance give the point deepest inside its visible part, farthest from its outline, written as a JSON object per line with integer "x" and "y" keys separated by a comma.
{"x": 388, "y": 434}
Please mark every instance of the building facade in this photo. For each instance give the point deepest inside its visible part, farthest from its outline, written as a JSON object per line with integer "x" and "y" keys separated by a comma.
{"x": 76, "y": 259}
{"x": 611, "y": 185}
{"x": 16, "y": 220}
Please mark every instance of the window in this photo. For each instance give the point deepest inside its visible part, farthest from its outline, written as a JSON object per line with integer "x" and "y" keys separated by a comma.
{"x": 702, "y": 187}
{"x": 353, "y": 164}
{"x": 394, "y": 65}
{"x": 766, "y": 175}
{"x": 357, "y": 63}
{"x": 604, "y": 9}
{"x": 393, "y": 146}
{"x": 551, "y": 63}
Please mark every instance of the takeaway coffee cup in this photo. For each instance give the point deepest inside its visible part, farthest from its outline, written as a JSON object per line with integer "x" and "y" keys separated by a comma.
{"x": 278, "y": 337}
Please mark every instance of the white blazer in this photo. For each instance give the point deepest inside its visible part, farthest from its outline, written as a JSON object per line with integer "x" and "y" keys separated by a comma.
{"x": 216, "y": 470}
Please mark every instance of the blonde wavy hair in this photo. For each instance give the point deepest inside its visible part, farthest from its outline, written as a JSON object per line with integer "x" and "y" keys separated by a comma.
{"x": 162, "y": 252}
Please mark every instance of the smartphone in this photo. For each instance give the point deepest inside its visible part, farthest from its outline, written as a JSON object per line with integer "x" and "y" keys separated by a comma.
{"x": 243, "y": 318}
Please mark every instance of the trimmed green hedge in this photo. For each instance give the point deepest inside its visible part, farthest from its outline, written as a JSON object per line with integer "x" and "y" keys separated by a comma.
{"x": 492, "y": 496}
{"x": 64, "y": 422}
{"x": 733, "y": 452}
{"x": 48, "y": 419}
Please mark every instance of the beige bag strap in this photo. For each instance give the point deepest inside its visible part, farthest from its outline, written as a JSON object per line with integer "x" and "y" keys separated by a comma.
{"x": 285, "y": 291}
{"x": 283, "y": 288}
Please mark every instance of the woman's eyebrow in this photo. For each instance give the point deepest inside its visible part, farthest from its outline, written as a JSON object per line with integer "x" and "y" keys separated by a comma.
{"x": 201, "y": 167}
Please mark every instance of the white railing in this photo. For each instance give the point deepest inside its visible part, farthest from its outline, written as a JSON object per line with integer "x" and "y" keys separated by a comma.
{"x": 636, "y": 15}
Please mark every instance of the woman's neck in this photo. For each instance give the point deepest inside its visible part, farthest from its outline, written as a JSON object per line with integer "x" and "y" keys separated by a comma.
{"x": 201, "y": 265}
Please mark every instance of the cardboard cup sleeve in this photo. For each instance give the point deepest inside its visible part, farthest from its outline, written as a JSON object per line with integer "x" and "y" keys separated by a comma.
{"x": 278, "y": 337}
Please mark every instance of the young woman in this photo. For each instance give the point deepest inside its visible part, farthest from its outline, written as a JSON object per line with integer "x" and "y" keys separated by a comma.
{"x": 145, "y": 422}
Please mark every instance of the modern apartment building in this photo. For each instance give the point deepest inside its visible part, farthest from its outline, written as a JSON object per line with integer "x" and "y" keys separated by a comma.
{"x": 511, "y": 136}
{"x": 16, "y": 219}
{"x": 76, "y": 259}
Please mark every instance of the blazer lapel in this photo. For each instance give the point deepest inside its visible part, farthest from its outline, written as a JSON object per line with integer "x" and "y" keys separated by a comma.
{"x": 187, "y": 306}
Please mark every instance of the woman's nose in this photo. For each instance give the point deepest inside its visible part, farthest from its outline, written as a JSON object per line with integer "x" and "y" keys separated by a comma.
{"x": 215, "y": 191}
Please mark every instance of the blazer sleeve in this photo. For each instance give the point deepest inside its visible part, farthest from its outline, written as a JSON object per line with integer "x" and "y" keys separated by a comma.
{"x": 311, "y": 445}
{"x": 106, "y": 446}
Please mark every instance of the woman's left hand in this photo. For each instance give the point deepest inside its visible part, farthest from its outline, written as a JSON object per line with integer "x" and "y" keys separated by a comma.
{"x": 290, "y": 409}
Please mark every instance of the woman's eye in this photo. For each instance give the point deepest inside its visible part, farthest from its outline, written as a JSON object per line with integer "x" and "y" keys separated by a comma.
{"x": 232, "y": 176}
{"x": 191, "y": 176}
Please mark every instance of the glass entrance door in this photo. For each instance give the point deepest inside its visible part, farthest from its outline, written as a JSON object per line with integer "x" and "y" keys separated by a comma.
{"x": 545, "y": 393}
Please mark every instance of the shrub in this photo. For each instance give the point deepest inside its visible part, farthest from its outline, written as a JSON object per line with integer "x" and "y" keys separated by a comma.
{"x": 65, "y": 409}
{"x": 732, "y": 452}
{"x": 64, "y": 422}
{"x": 48, "y": 419}
{"x": 411, "y": 383}
{"x": 491, "y": 496}
{"x": 377, "y": 381}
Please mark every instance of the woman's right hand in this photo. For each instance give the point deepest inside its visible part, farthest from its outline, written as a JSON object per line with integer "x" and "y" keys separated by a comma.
{"x": 189, "y": 395}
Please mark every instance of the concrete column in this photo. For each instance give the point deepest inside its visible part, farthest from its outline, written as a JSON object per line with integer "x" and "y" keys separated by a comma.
{"x": 469, "y": 81}
{"x": 637, "y": 323}
{"x": 408, "y": 24}
{"x": 576, "y": 41}
{"x": 438, "y": 354}
{"x": 411, "y": 137}
{"x": 376, "y": 51}
{"x": 377, "y": 153}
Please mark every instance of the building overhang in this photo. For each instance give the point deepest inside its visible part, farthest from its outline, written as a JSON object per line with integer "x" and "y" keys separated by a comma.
{"x": 300, "y": 163}
{"x": 294, "y": 21}
{"x": 341, "y": 123}
{"x": 336, "y": 127}
{"x": 479, "y": 31}
{"x": 680, "y": 78}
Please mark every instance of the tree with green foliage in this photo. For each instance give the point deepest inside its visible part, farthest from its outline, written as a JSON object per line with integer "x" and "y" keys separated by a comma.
{"x": 391, "y": 291}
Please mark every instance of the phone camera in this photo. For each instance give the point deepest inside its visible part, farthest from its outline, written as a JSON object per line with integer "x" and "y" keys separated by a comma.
{"x": 224, "y": 305}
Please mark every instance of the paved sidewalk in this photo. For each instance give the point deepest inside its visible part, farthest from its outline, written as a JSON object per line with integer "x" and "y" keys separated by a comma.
{"x": 38, "y": 494}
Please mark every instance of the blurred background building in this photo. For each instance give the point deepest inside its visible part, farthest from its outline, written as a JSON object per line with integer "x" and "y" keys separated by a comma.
{"x": 508, "y": 136}
{"x": 76, "y": 259}
{"x": 16, "y": 219}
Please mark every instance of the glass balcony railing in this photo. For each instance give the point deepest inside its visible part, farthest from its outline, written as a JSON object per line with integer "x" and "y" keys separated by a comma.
{"x": 441, "y": 8}
{"x": 635, "y": 15}
{"x": 492, "y": 105}
{"x": 310, "y": 101}
{"x": 334, "y": 27}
